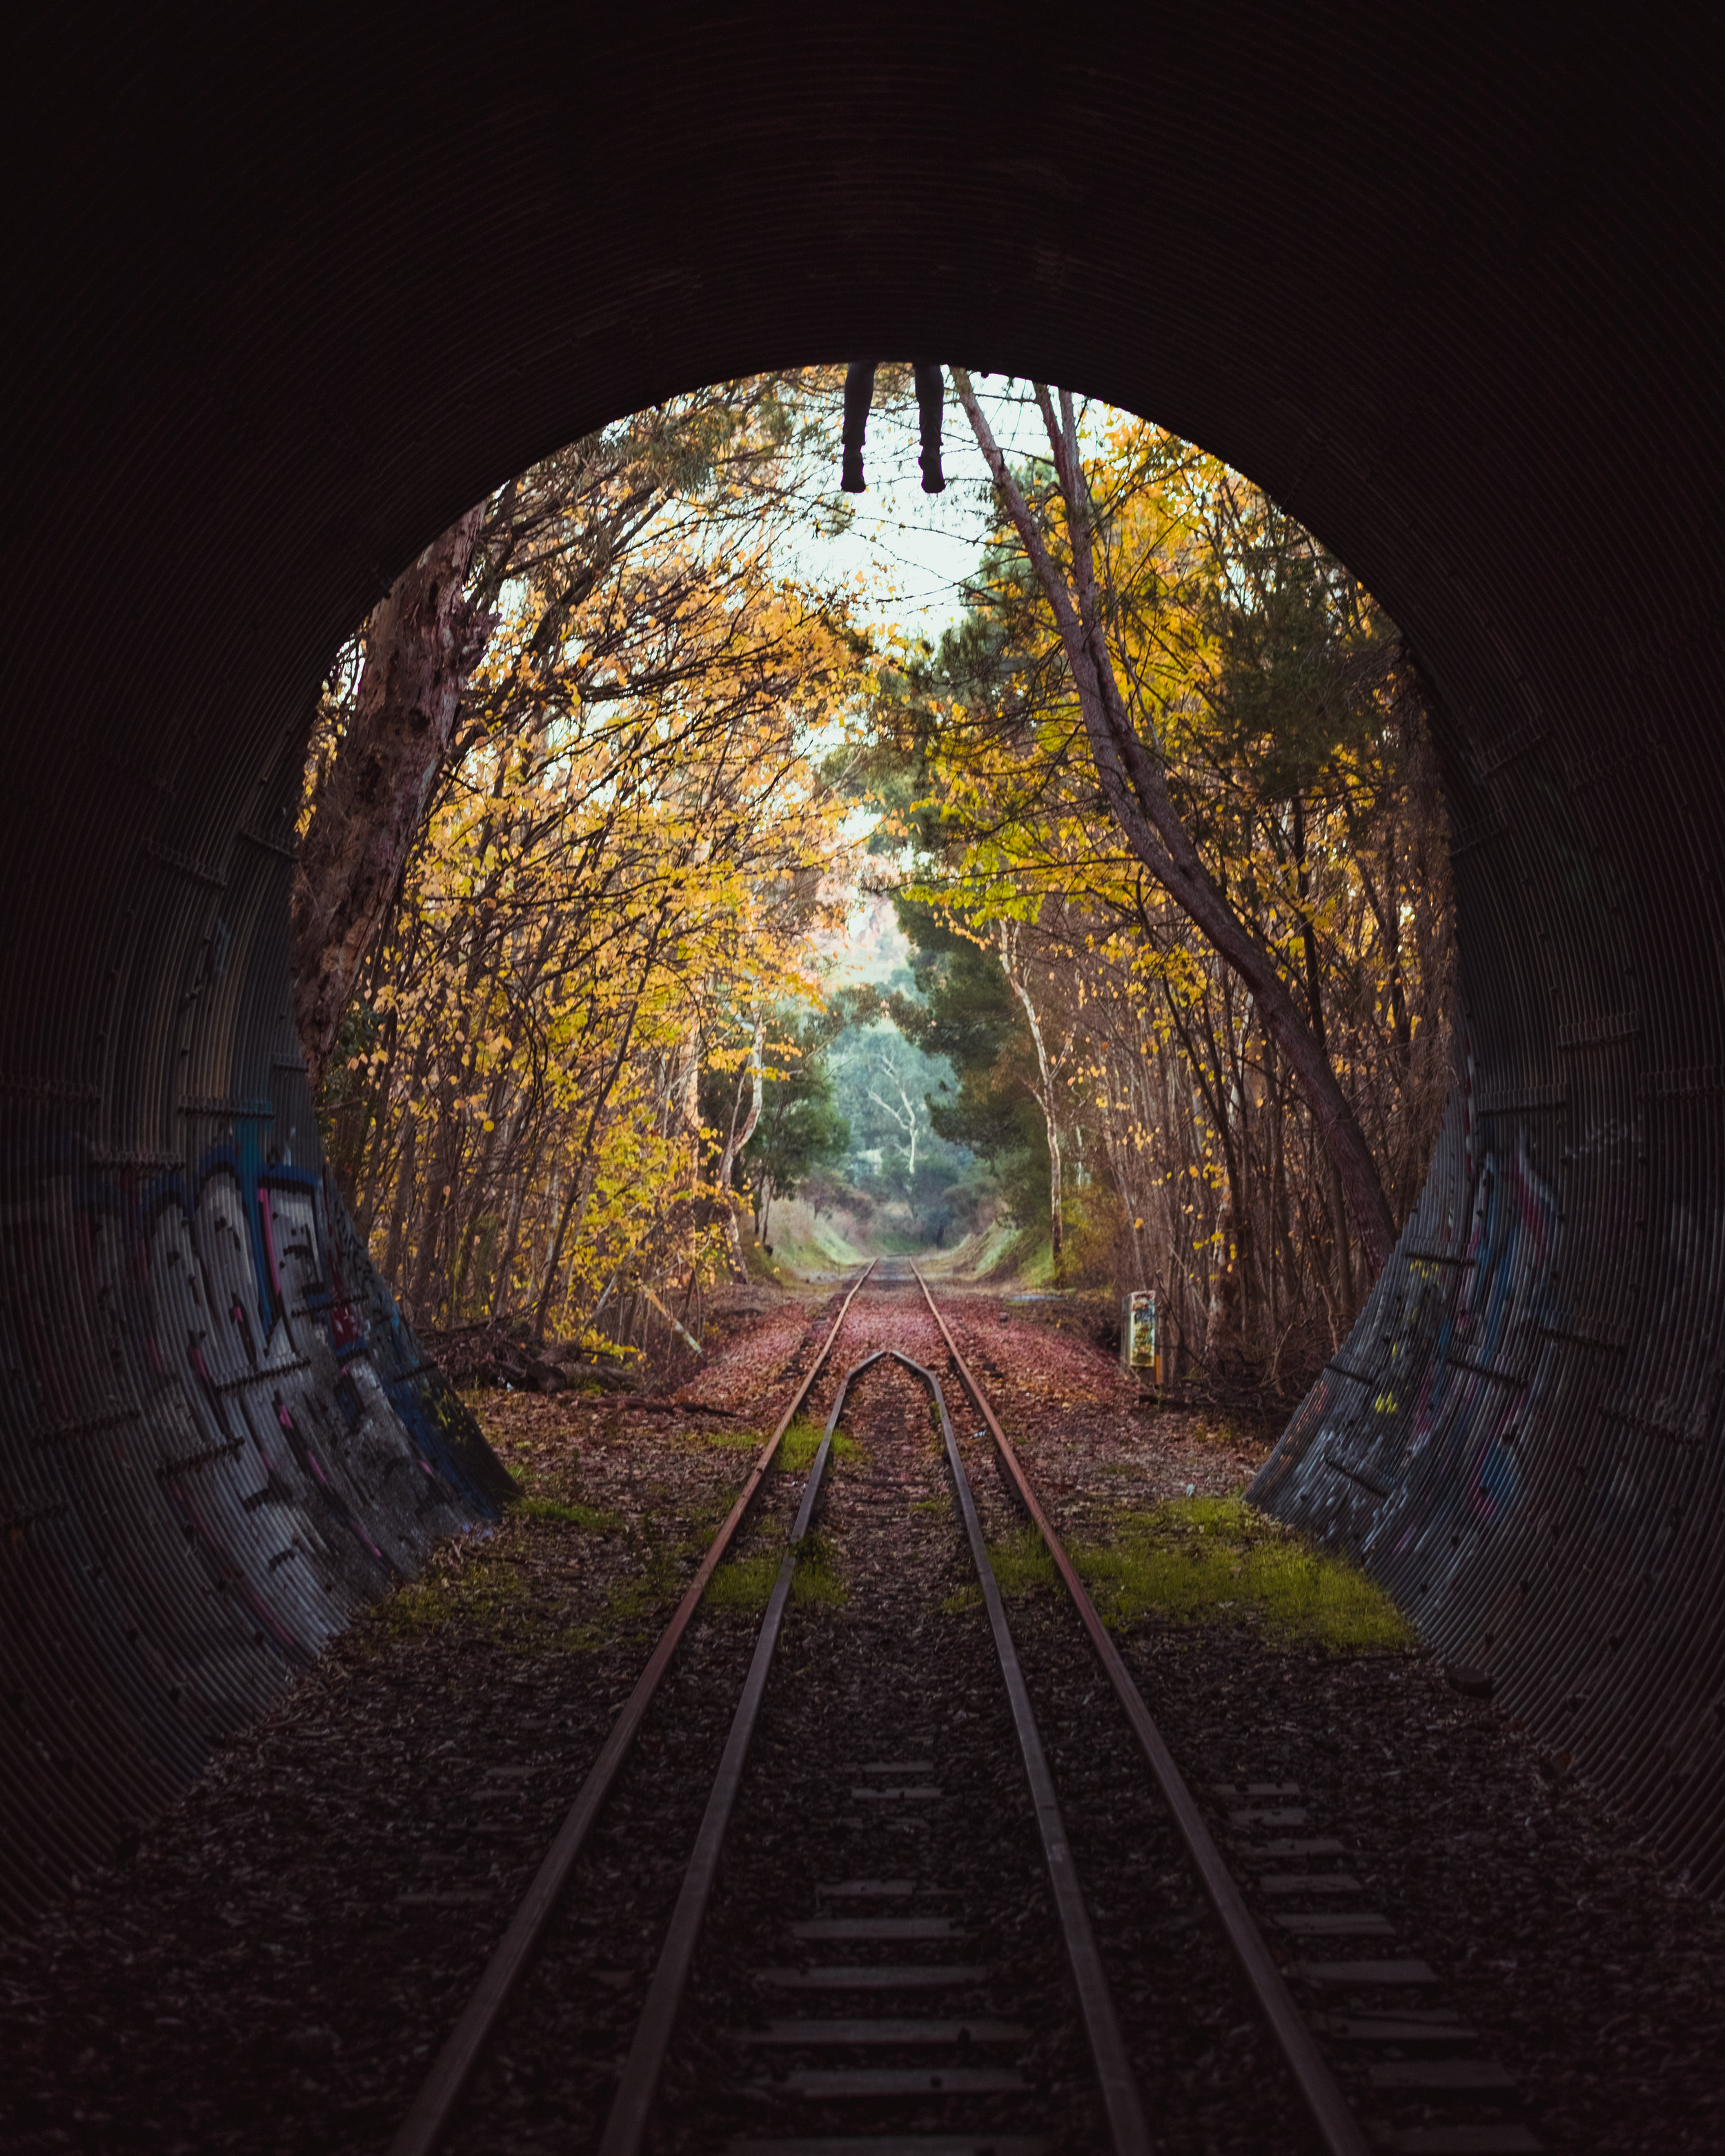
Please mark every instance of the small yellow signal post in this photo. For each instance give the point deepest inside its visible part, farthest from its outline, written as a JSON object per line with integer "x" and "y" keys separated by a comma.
{"x": 1140, "y": 1349}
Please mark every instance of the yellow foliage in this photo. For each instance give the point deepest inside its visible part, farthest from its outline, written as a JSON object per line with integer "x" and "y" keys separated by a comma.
{"x": 623, "y": 873}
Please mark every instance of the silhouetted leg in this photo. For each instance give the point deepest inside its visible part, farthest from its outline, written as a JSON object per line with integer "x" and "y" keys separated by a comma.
{"x": 931, "y": 401}
{"x": 859, "y": 391}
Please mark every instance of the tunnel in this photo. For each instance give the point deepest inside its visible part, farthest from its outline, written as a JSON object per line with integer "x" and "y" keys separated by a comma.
{"x": 288, "y": 294}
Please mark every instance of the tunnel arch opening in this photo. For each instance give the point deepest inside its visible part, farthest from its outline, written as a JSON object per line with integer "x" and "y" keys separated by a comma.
{"x": 252, "y": 398}
{"x": 641, "y": 659}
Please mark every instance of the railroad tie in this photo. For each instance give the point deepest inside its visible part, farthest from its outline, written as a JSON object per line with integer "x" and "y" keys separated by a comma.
{"x": 951, "y": 2055}
{"x": 1444, "y": 2072}
{"x": 435, "y": 2105}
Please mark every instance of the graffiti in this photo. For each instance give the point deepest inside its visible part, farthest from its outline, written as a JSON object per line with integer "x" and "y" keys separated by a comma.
{"x": 298, "y": 1469}
{"x": 1475, "y": 1351}
{"x": 1427, "y": 1439}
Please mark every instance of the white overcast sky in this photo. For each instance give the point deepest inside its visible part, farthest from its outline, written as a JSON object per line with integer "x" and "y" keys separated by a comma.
{"x": 912, "y": 550}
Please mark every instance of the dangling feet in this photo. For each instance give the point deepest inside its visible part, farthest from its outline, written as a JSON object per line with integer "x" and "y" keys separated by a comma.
{"x": 931, "y": 398}
{"x": 858, "y": 390}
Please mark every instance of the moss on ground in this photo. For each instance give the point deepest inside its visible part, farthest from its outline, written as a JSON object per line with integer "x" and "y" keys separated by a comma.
{"x": 802, "y": 1441}
{"x": 817, "y": 1579}
{"x": 797, "y": 1448}
{"x": 1021, "y": 1564}
{"x": 746, "y": 1584}
{"x": 1211, "y": 1561}
{"x": 505, "y": 1589}
{"x": 658, "y": 1581}
{"x": 495, "y": 1594}
{"x": 736, "y": 1440}
{"x": 588, "y": 1516}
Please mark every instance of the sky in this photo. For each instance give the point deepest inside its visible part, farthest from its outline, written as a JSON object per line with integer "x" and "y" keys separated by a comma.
{"x": 873, "y": 949}
{"x": 912, "y": 550}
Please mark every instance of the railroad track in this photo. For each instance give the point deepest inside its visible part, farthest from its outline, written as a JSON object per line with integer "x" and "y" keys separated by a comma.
{"x": 873, "y": 2029}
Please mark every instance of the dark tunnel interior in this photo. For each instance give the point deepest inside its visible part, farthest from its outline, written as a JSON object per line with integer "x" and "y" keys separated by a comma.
{"x": 281, "y": 305}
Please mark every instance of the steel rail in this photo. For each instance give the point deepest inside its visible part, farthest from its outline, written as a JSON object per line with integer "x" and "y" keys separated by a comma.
{"x": 638, "y": 2090}
{"x": 1127, "y": 2126}
{"x": 1337, "y": 2127}
{"x": 427, "y": 2122}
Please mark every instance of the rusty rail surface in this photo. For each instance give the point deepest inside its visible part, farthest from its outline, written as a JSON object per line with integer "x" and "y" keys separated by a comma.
{"x": 1336, "y": 2124}
{"x": 632, "y": 2107}
{"x": 1128, "y": 2128}
{"x": 425, "y": 2124}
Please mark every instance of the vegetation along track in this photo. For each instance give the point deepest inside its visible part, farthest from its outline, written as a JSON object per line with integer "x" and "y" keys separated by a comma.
{"x": 879, "y": 1941}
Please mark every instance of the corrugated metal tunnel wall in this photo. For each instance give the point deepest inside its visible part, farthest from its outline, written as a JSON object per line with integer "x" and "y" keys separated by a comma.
{"x": 280, "y": 307}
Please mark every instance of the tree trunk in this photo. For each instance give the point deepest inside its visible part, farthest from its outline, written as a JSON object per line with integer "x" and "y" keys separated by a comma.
{"x": 685, "y": 1084}
{"x": 1333, "y": 1197}
{"x": 405, "y": 1175}
{"x": 1222, "y": 1334}
{"x": 1138, "y": 795}
{"x": 505, "y": 1272}
{"x": 1044, "y": 1101}
{"x": 734, "y": 1145}
{"x": 422, "y": 643}
{"x": 580, "y": 1174}
{"x": 913, "y": 1125}
{"x": 580, "y": 1191}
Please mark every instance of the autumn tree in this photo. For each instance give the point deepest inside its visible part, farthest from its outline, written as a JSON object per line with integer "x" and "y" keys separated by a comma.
{"x": 1290, "y": 730}
{"x": 369, "y": 799}
{"x": 615, "y": 883}
{"x": 800, "y": 1131}
{"x": 1130, "y": 769}
{"x": 965, "y": 1012}
{"x": 400, "y": 710}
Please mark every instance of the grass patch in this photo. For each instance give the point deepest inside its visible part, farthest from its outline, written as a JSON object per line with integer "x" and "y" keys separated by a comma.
{"x": 658, "y": 1581}
{"x": 746, "y": 1584}
{"x": 589, "y": 1517}
{"x": 1021, "y": 1565}
{"x": 425, "y": 1605}
{"x": 495, "y": 1595}
{"x": 797, "y": 1448}
{"x": 802, "y": 1441}
{"x": 1025, "y": 1260}
{"x": 737, "y": 1441}
{"x": 1210, "y": 1560}
{"x": 818, "y": 1581}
